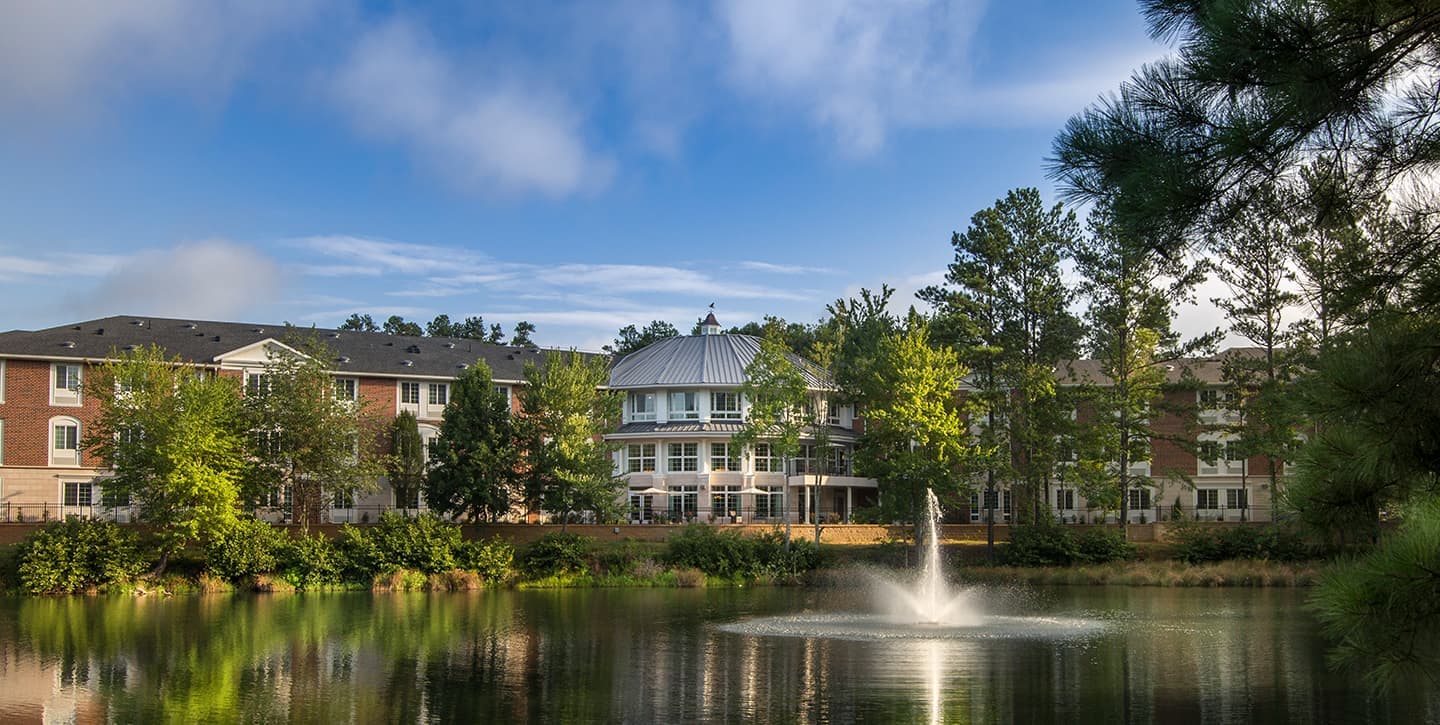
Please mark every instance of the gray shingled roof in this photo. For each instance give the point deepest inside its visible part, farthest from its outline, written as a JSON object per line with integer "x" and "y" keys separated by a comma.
{"x": 1206, "y": 370}
{"x": 367, "y": 353}
{"x": 718, "y": 360}
{"x": 837, "y": 433}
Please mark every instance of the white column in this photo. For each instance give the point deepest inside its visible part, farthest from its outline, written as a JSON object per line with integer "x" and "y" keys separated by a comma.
{"x": 849, "y": 503}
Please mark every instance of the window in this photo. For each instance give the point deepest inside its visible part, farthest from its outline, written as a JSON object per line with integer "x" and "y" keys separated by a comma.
{"x": 725, "y": 501}
{"x": 806, "y": 411}
{"x": 281, "y": 499}
{"x": 345, "y": 388}
{"x": 999, "y": 500}
{"x": 684, "y": 406}
{"x": 409, "y": 393}
{"x": 832, "y": 411}
{"x": 65, "y": 389}
{"x": 805, "y": 462}
{"x": 343, "y": 500}
{"x": 64, "y": 442}
{"x": 1209, "y": 452}
{"x": 642, "y": 406}
{"x": 79, "y": 493}
{"x": 764, "y": 460}
{"x": 684, "y": 457}
{"x": 684, "y": 502}
{"x": 724, "y": 406}
{"x": 439, "y": 394}
{"x": 408, "y": 502}
{"x": 1234, "y": 452}
{"x": 1065, "y": 499}
{"x": 770, "y": 504}
{"x": 255, "y": 383}
{"x": 640, "y": 458}
{"x": 504, "y": 391}
{"x": 1139, "y": 499}
{"x": 1207, "y": 498}
{"x": 723, "y": 458}
{"x": 1236, "y": 498}
{"x": 1216, "y": 398}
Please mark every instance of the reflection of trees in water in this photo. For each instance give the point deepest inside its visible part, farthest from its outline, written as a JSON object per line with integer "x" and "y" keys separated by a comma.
{"x": 646, "y": 655}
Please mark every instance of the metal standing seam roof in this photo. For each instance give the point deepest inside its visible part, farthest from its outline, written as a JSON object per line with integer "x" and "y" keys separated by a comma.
{"x": 709, "y": 360}
{"x": 200, "y": 342}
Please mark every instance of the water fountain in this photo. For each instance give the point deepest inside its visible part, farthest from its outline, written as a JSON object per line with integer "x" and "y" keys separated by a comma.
{"x": 925, "y": 607}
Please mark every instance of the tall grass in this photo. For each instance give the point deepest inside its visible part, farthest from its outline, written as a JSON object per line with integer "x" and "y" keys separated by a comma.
{"x": 1235, "y": 573}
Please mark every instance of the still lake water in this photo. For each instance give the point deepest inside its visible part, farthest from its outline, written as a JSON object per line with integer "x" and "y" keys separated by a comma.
{"x": 665, "y": 656}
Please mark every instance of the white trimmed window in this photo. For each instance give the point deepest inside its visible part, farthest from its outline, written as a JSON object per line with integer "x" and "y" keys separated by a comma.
{"x": 1139, "y": 499}
{"x": 65, "y": 384}
{"x": 343, "y": 500}
{"x": 345, "y": 389}
{"x": 684, "y": 405}
{"x": 724, "y": 406}
{"x": 64, "y": 442}
{"x": 832, "y": 411}
{"x": 765, "y": 461}
{"x": 723, "y": 458}
{"x": 641, "y": 406}
{"x": 1236, "y": 498}
{"x": 640, "y": 458}
{"x": 684, "y": 457}
{"x": 439, "y": 394}
{"x": 254, "y": 383}
{"x": 504, "y": 391}
{"x": 1207, "y": 499}
{"x": 407, "y": 502}
{"x": 1065, "y": 499}
{"x": 79, "y": 493}
{"x": 409, "y": 393}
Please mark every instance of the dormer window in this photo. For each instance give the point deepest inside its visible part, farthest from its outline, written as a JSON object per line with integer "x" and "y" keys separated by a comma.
{"x": 724, "y": 406}
{"x": 832, "y": 411}
{"x": 642, "y": 406}
{"x": 684, "y": 405}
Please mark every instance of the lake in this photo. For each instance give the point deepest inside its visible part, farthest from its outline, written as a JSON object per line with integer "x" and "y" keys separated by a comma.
{"x": 1147, "y": 655}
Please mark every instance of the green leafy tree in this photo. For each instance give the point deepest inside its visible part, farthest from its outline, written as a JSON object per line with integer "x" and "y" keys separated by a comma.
{"x": 303, "y": 436}
{"x": 861, "y": 325}
{"x": 176, "y": 440}
{"x": 776, "y": 390}
{"x": 441, "y": 326}
{"x": 478, "y": 466}
{"x": 914, "y": 435}
{"x": 359, "y": 323}
{"x": 405, "y": 466}
{"x": 523, "y": 330}
{"x": 1006, "y": 309}
{"x": 1253, "y": 260}
{"x": 1130, "y": 291}
{"x": 473, "y": 328}
{"x": 396, "y": 325}
{"x": 496, "y": 335}
{"x": 629, "y": 339}
{"x": 566, "y": 414}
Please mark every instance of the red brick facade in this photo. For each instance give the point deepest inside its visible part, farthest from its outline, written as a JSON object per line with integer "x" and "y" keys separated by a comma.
{"x": 27, "y": 413}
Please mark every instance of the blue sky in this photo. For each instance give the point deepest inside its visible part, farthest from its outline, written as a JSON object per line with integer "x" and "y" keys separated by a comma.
{"x": 583, "y": 166}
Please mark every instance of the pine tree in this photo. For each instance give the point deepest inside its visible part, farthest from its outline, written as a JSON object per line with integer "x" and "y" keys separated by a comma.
{"x": 405, "y": 466}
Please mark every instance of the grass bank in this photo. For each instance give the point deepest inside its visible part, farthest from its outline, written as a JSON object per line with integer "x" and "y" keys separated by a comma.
{"x": 1233, "y": 573}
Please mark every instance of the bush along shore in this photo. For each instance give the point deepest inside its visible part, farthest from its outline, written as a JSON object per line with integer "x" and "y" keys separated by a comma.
{"x": 426, "y": 553}
{"x": 400, "y": 553}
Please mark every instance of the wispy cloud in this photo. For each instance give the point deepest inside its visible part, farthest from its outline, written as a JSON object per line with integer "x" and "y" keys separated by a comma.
{"x": 13, "y": 268}
{"x": 363, "y": 256}
{"x": 790, "y": 269}
{"x": 481, "y": 130}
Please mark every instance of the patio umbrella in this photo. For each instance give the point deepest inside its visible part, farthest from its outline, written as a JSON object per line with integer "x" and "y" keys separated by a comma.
{"x": 652, "y": 491}
{"x": 754, "y": 491}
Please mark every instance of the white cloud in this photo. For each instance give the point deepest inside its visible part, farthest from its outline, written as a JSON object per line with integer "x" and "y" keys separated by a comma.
{"x": 482, "y": 131}
{"x": 214, "y": 279}
{"x": 65, "y": 264}
{"x": 71, "y": 56}
{"x": 792, "y": 269}
{"x": 362, "y": 256}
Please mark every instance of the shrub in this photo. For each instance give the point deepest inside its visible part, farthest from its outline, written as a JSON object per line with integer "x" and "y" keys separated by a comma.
{"x": 491, "y": 559}
{"x": 1103, "y": 544}
{"x": 647, "y": 569}
{"x": 358, "y": 555}
{"x": 399, "y": 580}
{"x": 1196, "y": 544}
{"x": 689, "y": 577}
{"x": 76, "y": 554}
{"x": 1039, "y": 545}
{"x": 455, "y": 580}
{"x": 426, "y": 543}
{"x": 243, "y": 549}
{"x": 711, "y": 550}
{"x": 310, "y": 562}
{"x": 556, "y": 554}
{"x": 770, "y": 559}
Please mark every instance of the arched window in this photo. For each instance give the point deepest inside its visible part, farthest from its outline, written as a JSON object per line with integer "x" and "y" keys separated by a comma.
{"x": 64, "y": 441}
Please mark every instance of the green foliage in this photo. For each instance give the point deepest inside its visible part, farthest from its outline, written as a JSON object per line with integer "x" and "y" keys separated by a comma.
{"x": 306, "y": 437}
{"x": 425, "y": 543}
{"x": 397, "y": 325}
{"x": 630, "y": 339}
{"x": 405, "y": 466}
{"x": 1103, "y": 544}
{"x": 175, "y": 439}
{"x": 76, "y": 554}
{"x": 731, "y": 555}
{"x": 492, "y": 559}
{"x": 245, "y": 548}
{"x": 566, "y": 415}
{"x": 1381, "y": 609}
{"x": 477, "y": 462}
{"x": 1039, "y": 545}
{"x": 1194, "y": 543}
{"x": 558, "y": 554}
{"x": 310, "y": 562}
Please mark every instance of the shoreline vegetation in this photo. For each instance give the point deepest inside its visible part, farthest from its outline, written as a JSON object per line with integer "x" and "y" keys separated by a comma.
{"x": 425, "y": 553}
